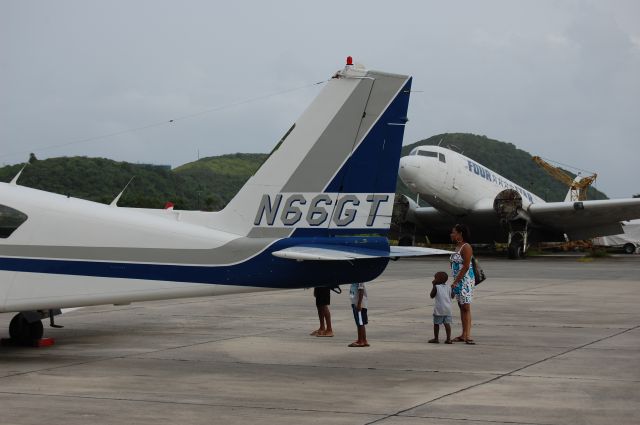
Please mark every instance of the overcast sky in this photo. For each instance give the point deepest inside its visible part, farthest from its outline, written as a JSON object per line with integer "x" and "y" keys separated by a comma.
{"x": 559, "y": 79}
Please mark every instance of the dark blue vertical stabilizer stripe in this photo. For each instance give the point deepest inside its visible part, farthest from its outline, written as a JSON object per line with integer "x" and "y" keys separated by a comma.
{"x": 373, "y": 167}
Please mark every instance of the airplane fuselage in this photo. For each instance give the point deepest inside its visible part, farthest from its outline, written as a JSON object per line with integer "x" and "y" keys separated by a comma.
{"x": 454, "y": 183}
{"x": 460, "y": 190}
{"x": 98, "y": 254}
{"x": 295, "y": 223}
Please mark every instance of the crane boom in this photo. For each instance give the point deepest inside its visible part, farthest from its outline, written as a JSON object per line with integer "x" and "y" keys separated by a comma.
{"x": 578, "y": 186}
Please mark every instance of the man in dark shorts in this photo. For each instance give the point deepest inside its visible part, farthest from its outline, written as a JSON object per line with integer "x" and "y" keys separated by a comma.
{"x": 323, "y": 300}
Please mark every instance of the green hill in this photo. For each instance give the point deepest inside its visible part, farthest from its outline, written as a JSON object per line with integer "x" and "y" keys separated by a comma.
{"x": 210, "y": 183}
{"x": 205, "y": 184}
{"x": 503, "y": 158}
{"x": 218, "y": 177}
{"x": 238, "y": 164}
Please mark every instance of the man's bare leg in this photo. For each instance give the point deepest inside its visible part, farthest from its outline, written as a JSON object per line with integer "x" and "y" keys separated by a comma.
{"x": 321, "y": 329}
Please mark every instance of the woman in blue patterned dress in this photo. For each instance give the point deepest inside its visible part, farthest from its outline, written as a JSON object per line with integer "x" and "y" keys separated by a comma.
{"x": 463, "y": 279}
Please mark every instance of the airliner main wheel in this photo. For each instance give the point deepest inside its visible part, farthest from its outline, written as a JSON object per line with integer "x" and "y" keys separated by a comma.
{"x": 516, "y": 250}
{"x": 24, "y": 332}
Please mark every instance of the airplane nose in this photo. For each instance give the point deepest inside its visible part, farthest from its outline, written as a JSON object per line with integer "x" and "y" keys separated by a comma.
{"x": 408, "y": 170}
{"x": 409, "y": 162}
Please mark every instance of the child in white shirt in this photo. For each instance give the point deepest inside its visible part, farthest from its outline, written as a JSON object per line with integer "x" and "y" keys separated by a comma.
{"x": 442, "y": 307}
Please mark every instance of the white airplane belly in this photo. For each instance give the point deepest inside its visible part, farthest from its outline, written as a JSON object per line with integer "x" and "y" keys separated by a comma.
{"x": 6, "y": 280}
{"x": 34, "y": 291}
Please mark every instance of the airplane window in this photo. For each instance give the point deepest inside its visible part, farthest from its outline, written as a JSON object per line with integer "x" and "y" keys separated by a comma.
{"x": 428, "y": 153}
{"x": 414, "y": 151}
{"x": 10, "y": 220}
{"x": 441, "y": 157}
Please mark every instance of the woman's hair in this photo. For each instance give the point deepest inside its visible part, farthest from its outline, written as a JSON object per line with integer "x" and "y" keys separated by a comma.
{"x": 464, "y": 231}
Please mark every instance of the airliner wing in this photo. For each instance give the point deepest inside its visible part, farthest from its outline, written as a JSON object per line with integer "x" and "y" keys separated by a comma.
{"x": 434, "y": 218}
{"x": 431, "y": 217}
{"x": 337, "y": 253}
{"x": 437, "y": 224}
{"x": 586, "y": 219}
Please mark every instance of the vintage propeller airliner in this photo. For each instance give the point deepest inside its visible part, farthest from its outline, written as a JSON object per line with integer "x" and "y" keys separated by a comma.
{"x": 460, "y": 190}
{"x": 315, "y": 214}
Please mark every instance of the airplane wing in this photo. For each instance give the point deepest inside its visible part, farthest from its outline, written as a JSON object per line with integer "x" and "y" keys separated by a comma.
{"x": 579, "y": 220}
{"x": 586, "y": 219}
{"x": 431, "y": 217}
{"x": 437, "y": 224}
{"x": 336, "y": 253}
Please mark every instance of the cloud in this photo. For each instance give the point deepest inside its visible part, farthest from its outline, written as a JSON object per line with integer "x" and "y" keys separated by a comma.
{"x": 548, "y": 76}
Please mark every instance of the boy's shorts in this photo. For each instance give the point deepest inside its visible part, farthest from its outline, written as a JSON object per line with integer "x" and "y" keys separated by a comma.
{"x": 360, "y": 316}
{"x": 323, "y": 296}
{"x": 441, "y": 320}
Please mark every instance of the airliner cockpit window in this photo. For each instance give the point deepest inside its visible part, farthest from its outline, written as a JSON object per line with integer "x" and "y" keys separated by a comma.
{"x": 441, "y": 157}
{"x": 414, "y": 151}
{"x": 428, "y": 153}
{"x": 10, "y": 220}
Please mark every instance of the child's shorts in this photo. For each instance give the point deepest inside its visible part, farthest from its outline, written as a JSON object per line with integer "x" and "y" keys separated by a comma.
{"x": 360, "y": 316}
{"x": 440, "y": 320}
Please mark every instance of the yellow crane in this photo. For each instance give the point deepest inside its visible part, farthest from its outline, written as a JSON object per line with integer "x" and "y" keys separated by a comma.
{"x": 578, "y": 186}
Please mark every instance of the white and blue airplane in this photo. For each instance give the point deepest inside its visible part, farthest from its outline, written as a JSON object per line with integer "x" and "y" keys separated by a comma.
{"x": 315, "y": 214}
{"x": 497, "y": 210}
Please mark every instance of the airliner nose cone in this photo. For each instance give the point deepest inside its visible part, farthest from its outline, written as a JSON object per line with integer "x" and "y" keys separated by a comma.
{"x": 407, "y": 171}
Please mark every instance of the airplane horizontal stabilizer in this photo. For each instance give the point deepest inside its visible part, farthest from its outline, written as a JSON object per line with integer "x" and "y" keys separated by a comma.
{"x": 333, "y": 253}
{"x": 415, "y": 251}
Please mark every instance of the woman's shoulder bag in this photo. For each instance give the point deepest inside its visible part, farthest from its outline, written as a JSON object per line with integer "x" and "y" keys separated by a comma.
{"x": 477, "y": 271}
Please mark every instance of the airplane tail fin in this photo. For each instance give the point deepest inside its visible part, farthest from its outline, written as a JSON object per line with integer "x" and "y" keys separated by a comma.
{"x": 335, "y": 170}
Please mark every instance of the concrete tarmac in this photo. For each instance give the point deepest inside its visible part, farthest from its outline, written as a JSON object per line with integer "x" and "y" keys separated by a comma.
{"x": 558, "y": 342}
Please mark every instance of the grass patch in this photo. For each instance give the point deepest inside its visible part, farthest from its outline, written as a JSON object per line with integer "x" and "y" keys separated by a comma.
{"x": 534, "y": 252}
{"x": 596, "y": 253}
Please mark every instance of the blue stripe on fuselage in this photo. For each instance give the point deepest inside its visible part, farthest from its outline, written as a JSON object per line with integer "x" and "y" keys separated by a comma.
{"x": 263, "y": 270}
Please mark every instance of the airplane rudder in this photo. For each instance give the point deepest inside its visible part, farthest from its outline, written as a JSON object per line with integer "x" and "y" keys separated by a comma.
{"x": 373, "y": 165}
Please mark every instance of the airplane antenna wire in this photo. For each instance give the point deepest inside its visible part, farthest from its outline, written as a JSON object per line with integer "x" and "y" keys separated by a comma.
{"x": 165, "y": 122}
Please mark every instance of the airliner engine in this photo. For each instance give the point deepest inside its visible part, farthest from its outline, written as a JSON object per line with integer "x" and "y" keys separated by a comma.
{"x": 508, "y": 207}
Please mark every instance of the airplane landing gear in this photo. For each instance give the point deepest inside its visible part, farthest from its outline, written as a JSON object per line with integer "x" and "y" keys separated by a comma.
{"x": 516, "y": 249}
{"x": 518, "y": 244}
{"x": 26, "y": 328}
{"x": 24, "y": 331}
{"x": 508, "y": 207}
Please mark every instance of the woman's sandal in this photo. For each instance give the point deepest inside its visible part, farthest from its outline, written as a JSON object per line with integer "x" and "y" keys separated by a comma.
{"x": 458, "y": 339}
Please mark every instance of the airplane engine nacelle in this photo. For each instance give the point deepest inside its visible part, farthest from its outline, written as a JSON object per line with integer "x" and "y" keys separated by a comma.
{"x": 508, "y": 205}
